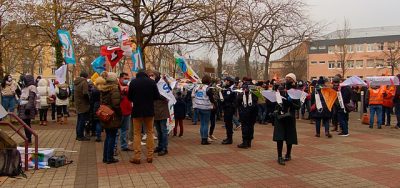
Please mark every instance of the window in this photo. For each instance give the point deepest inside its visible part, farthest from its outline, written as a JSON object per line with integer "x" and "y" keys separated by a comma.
{"x": 313, "y": 48}
{"x": 349, "y": 48}
{"x": 322, "y": 62}
{"x": 371, "y": 47}
{"x": 53, "y": 71}
{"x": 370, "y": 63}
{"x": 313, "y": 78}
{"x": 313, "y": 62}
{"x": 380, "y": 46}
{"x": 359, "y": 47}
{"x": 380, "y": 63}
{"x": 331, "y": 49}
{"x": 331, "y": 65}
{"x": 40, "y": 70}
{"x": 321, "y": 47}
{"x": 339, "y": 64}
{"x": 350, "y": 64}
{"x": 359, "y": 64}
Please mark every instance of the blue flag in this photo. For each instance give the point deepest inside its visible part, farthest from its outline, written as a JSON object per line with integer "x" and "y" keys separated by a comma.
{"x": 99, "y": 64}
{"x": 137, "y": 60}
{"x": 66, "y": 42}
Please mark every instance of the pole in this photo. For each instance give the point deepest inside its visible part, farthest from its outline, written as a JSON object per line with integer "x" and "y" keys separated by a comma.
{"x": 362, "y": 105}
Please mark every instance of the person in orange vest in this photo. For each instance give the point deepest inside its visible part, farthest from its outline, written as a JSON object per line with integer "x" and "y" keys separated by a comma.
{"x": 387, "y": 105}
{"x": 375, "y": 101}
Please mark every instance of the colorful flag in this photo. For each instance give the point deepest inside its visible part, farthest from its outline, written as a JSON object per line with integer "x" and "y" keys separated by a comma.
{"x": 330, "y": 96}
{"x": 61, "y": 74}
{"x": 66, "y": 42}
{"x": 94, "y": 77}
{"x": 116, "y": 30}
{"x": 137, "y": 60}
{"x": 113, "y": 54}
{"x": 166, "y": 92}
{"x": 187, "y": 70}
{"x": 99, "y": 64}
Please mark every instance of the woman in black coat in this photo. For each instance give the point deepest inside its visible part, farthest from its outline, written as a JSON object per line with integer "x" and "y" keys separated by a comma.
{"x": 285, "y": 121}
{"x": 320, "y": 115}
{"x": 179, "y": 113}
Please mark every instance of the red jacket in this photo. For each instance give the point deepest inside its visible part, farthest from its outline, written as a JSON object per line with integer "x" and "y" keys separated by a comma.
{"x": 126, "y": 105}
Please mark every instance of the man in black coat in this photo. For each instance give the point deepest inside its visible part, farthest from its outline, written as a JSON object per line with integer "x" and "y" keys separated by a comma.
{"x": 229, "y": 107}
{"x": 142, "y": 93}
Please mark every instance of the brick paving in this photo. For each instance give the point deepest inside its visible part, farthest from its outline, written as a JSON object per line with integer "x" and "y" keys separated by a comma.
{"x": 367, "y": 158}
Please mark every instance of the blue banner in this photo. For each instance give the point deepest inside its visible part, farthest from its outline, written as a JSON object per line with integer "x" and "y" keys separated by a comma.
{"x": 66, "y": 42}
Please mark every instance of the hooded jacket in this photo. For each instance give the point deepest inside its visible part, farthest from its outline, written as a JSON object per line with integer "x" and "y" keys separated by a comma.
{"x": 142, "y": 93}
{"x": 81, "y": 95}
{"x": 27, "y": 105}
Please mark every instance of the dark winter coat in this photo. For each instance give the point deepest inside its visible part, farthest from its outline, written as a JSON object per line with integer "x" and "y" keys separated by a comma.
{"x": 180, "y": 108}
{"x": 142, "y": 93}
{"x": 27, "y": 109}
{"x": 247, "y": 114}
{"x": 230, "y": 100}
{"x": 161, "y": 111}
{"x": 94, "y": 102}
{"x": 285, "y": 125}
{"x": 324, "y": 113}
{"x": 110, "y": 95}
{"x": 81, "y": 95}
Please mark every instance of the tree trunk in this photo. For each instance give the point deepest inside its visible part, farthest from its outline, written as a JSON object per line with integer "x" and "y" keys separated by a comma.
{"x": 219, "y": 60}
{"x": 247, "y": 64}
{"x": 266, "y": 71}
{"x": 392, "y": 66}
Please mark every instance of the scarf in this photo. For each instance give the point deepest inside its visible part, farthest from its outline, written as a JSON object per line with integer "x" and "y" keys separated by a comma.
{"x": 248, "y": 101}
{"x": 340, "y": 99}
{"x": 318, "y": 102}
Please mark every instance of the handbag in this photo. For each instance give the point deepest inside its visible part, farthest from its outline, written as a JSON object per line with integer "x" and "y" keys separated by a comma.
{"x": 350, "y": 107}
{"x": 105, "y": 113}
{"x": 50, "y": 100}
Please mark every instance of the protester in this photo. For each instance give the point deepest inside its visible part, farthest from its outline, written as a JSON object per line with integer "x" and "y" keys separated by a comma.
{"x": 229, "y": 107}
{"x": 284, "y": 120}
{"x": 348, "y": 106}
{"x": 45, "y": 100}
{"x": 126, "y": 108}
{"x": 320, "y": 111}
{"x": 214, "y": 111}
{"x": 94, "y": 96}
{"x": 248, "y": 111}
{"x": 142, "y": 93}
{"x": 387, "y": 105}
{"x": 375, "y": 100}
{"x": 110, "y": 96}
{"x": 179, "y": 113}
{"x": 53, "y": 104}
{"x": 203, "y": 102}
{"x": 8, "y": 88}
{"x": 82, "y": 105}
{"x": 27, "y": 103}
{"x": 62, "y": 100}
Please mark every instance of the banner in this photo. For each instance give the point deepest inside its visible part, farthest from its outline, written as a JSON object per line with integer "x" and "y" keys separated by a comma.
{"x": 353, "y": 81}
{"x": 61, "y": 74}
{"x": 113, "y": 54}
{"x": 383, "y": 80}
{"x": 330, "y": 96}
{"x": 137, "y": 60}
{"x": 187, "y": 70}
{"x": 66, "y": 42}
{"x": 166, "y": 92}
{"x": 99, "y": 64}
{"x": 270, "y": 95}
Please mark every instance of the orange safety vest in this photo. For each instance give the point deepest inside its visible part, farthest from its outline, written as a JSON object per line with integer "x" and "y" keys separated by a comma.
{"x": 388, "y": 100}
{"x": 376, "y": 96}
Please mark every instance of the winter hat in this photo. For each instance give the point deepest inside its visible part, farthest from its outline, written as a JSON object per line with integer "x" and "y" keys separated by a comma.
{"x": 336, "y": 79}
{"x": 292, "y": 76}
{"x": 112, "y": 77}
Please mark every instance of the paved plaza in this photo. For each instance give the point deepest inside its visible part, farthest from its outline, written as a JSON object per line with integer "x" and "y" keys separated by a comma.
{"x": 367, "y": 158}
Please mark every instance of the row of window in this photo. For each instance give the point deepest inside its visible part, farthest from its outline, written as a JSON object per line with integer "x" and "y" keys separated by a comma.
{"x": 357, "y": 47}
{"x": 330, "y": 78}
{"x": 370, "y": 63}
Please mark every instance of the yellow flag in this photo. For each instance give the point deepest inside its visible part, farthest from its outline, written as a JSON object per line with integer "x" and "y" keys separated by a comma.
{"x": 330, "y": 96}
{"x": 94, "y": 77}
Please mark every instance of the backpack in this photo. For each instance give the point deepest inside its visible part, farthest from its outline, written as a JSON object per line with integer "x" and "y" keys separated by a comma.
{"x": 10, "y": 163}
{"x": 62, "y": 93}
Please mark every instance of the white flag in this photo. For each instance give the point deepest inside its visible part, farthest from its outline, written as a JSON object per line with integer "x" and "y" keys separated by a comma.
{"x": 61, "y": 74}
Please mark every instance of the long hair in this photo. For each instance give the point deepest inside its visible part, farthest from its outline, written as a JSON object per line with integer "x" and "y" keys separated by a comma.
{"x": 5, "y": 78}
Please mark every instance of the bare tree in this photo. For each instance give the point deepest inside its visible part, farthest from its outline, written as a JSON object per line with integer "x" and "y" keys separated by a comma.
{"x": 344, "y": 50}
{"x": 392, "y": 54}
{"x": 295, "y": 61}
{"x": 289, "y": 28}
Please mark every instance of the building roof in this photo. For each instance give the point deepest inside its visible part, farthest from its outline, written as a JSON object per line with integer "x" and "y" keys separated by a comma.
{"x": 366, "y": 32}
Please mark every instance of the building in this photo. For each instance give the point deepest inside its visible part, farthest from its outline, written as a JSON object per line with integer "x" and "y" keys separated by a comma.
{"x": 360, "y": 52}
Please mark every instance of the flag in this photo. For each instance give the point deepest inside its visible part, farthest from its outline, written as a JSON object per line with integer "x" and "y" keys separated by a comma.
{"x": 353, "y": 81}
{"x": 61, "y": 74}
{"x": 52, "y": 89}
{"x": 330, "y": 96}
{"x": 66, "y": 42}
{"x": 383, "y": 80}
{"x": 94, "y": 77}
{"x": 137, "y": 60}
{"x": 116, "y": 30}
{"x": 99, "y": 64}
{"x": 166, "y": 92}
{"x": 126, "y": 46}
{"x": 187, "y": 70}
{"x": 269, "y": 94}
{"x": 113, "y": 54}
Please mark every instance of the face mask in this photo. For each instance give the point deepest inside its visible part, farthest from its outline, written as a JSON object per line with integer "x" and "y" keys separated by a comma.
{"x": 125, "y": 82}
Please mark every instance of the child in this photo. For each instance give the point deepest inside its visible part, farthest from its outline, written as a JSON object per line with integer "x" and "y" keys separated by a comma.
{"x": 180, "y": 113}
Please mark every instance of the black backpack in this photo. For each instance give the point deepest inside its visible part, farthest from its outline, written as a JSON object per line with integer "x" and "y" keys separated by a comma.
{"x": 10, "y": 163}
{"x": 62, "y": 93}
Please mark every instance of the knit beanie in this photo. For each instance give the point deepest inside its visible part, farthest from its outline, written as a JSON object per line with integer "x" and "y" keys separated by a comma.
{"x": 292, "y": 76}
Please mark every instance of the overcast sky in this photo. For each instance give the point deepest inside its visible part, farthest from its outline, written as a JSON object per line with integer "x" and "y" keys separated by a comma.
{"x": 359, "y": 13}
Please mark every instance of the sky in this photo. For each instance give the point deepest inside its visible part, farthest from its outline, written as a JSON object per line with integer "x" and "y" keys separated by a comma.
{"x": 332, "y": 13}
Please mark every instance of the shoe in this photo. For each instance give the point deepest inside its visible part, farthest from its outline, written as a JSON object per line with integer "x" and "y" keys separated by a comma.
{"x": 204, "y": 141}
{"x": 227, "y": 141}
{"x": 41, "y": 123}
{"x": 328, "y": 135}
{"x": 342, "y": 134}
{"x": 180, "y": 135}
{"x": 44, "y": 123}
{"x": 98, "y": 139}
{"x": 371, "y": 127}
{"x": 162, "y": 153}
{"x": 112, "y": 161}
{"x": 281, "y": 161}
{"x": 243, "y": 146}
{"x": 144, "y": 137}
{"x": 379, "y": 127}
{"x": 213, "y": 137}
{"x": 149, "y": 160}
{"x": 288, "y": 158}
{"x": 143, "y": 143}
{"x": 126, "y": 149}
{"x": 210, "y": 140}
{"x": 317, "y": 135}
{"x": 134, "y": 161}
{"x": 83, "y": 139}
{"x": 157, "y": 150}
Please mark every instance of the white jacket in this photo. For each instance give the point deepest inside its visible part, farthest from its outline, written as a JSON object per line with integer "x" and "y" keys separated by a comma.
{"x": 43, "y": 93}
{"x": 60, "y": 102}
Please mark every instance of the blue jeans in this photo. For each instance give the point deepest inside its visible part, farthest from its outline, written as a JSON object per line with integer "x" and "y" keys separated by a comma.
{"x": 125, "y": 124}
{"x": 261, "y": 112}
{"x": 378, "y": 110}
{"x": 195, "y": 115}
{"x": 80, "y": 125}
{"x": 343, "y": 119}
{"x": 8, "y": 103}
{"x": 189, "y": 109}
{"x": 386, "y": 112}
{"x": 204, "y": 121}
{"x": 325, "y": 122}
{"x": 97, "y": 128}
{"x": 109, "y": 144}
{"x": 236, "y": 120}
{"x": 162, "y": 132}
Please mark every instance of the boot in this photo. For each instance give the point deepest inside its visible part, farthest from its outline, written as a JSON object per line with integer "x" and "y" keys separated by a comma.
{"x": 249, "y": 143}
{"x": 44, "y": 123}
{"x": 243, "y": 145}
{"x": 41, "y": 123}
{"x": 65, "y": 120}
{"x": 204, "y": 141}
{"x": 59, "y": 120}
{"x": 281, "y": 161}
{"x": 227, "y": 141}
